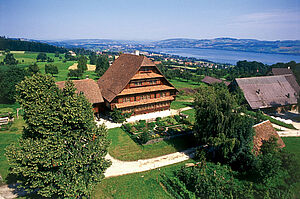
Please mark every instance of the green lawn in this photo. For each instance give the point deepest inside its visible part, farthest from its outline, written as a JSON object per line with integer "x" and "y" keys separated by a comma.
{"x": 180, "y": 83}
{"x": 191, "y": 114}
{"x": 30, "y": 57}
{"x": 124, "y": 148}
{"x": 138, "y": 185}
{"x": 180, "y": 104}
{"x": 293, "y": 146}
{"x": 6, "y": 138}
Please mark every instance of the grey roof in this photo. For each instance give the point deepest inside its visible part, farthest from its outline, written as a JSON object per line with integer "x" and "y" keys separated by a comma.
{"x": 267, "y": 91}
{"x": 281, "y": 71}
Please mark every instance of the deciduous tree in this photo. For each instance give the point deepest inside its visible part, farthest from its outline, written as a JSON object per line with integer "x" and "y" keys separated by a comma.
{"x": 61, "y": 153}
{"x": 102, "y": 65}
{"x": 50, "y": 68}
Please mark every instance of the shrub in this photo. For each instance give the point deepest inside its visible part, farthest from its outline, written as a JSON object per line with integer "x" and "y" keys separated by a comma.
{"x": 144, "y": 137}
{"x": 158, "y": 119}
{"x": 140, "y": 125}
{"x": 177, "y": 118}
{"x": 151, "y": 125}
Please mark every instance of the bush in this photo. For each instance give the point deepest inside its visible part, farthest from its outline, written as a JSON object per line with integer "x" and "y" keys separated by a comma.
{"x": 151, "y": 125}
{"x": 140, "y": 125}
{"x": 144, "y": 137}
{"x": 177, "y": 118}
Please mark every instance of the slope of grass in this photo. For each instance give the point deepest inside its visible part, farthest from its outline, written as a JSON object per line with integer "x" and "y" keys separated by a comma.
{"x": 124, "y": 148}
{"x": 30, "y": 57}
{"x": 139, "y": 185}
{"x": 180, "y": 83}
{"x": 180, "y": 104}
{"x": 6, "y": 138}
{"x": 293, "y": 146}
{"x": 191, "y": 114}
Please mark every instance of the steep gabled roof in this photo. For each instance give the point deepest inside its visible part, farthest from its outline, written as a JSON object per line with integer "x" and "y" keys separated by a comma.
{"x": 281, "y": 71}
{"x": 267, "y": 91}
{"x": 119, "y": 74}
{"x": 89, "y": 88}
{"x": 263, "y": 132}
{"x": 211, "y": 80}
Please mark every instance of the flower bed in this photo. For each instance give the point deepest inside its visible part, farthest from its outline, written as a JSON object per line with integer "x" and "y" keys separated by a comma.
{"x": 142, "y": 132}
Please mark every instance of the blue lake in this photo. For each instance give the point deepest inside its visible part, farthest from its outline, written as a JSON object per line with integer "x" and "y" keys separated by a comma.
{"x": 226, "y": 56}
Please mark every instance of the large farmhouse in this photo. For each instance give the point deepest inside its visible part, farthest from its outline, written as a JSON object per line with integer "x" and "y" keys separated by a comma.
{"x": 134, "y": 84}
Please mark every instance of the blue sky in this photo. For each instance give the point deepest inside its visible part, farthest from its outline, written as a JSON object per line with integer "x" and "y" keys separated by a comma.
{"x": 150, "y": 20}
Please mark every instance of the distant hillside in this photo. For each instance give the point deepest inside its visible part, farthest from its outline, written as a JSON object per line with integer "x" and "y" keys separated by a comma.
{"x": 250, "y": 45}
{"x": 18, "y": 44}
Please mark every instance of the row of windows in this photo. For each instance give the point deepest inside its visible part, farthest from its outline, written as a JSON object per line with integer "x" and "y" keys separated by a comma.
{"x": 143, "y": 97}
{"x": 145, "y": 83}
{"x": 146, "y": 107}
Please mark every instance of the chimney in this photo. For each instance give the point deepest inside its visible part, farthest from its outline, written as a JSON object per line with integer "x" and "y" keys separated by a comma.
{"x": 137, "y": 52}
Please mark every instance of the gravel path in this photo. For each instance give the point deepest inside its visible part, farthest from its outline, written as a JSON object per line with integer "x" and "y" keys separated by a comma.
{"x": 119, "y": 167}
{"x": 287, "y": 132}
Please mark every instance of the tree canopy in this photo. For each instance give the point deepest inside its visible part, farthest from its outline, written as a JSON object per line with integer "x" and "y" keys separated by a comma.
{"x": 61, "y": 152}
{"x": 10, "y": 59}
{"x": 10, "y": 76}
{"x": 102, "y": 65}
{"x": 50, "y": 68}
{"x": 219, "y": 124}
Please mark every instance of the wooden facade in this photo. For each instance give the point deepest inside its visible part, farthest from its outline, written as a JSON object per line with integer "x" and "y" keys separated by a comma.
{"x": 144, "y": 88}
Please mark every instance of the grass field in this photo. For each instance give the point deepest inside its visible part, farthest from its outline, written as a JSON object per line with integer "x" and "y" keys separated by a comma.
{"x": 6, "y": 138}
{"x": 179, "y": 83}
{"x": 191, "y": 114}
{"x": 124, "y": 148}
{"x": 30, "y": 57}
{"x": 293, "y": 146}
{"x": 138, "y": 185}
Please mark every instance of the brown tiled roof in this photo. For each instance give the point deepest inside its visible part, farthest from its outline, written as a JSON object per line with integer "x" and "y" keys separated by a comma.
{"x": 142, "y": 102}
{"x": 146, "y": 76}
{"x": 211, "y": 80}
{"x": 145, "y": 89}
{"x": 264, "y": 131}
{"x": 119, "y": 74}
{"x": 281, "y": 71}
{"x": 89, "y": 88}
{"x": 267, "y": 91}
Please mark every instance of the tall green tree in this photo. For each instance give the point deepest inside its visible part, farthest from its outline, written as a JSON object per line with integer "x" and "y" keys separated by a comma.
{"x": 93, "y": 58}
{"x": 33, "y": 68}
{"x": 52, "y": 69}
{"x": 9, "y": 77}
{"x": 61, "y": 152}
{"x": 75, "y": 74}
{"x": 10, "y": 59}
{"x": 228, "y": 134}
{"x": 102, "y": 65}
{"x": 82, "y": 63}
{"x": 41, "y": 57}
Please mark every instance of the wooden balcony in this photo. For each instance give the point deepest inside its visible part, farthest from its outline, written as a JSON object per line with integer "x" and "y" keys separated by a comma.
{"x": 143, "y": 102}
{"x": 145, "y": 76}
{"x": 145, "y": 89}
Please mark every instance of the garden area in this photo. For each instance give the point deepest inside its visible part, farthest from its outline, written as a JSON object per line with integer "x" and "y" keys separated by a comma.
{"x": 143, "y": 132}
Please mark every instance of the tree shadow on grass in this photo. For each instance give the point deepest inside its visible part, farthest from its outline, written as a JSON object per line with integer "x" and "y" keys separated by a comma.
{"x": 183, "y": 143}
